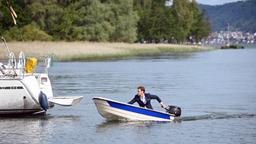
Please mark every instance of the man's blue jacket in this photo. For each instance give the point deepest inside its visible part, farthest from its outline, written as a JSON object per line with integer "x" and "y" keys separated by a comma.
{"x": 148, "y": 98}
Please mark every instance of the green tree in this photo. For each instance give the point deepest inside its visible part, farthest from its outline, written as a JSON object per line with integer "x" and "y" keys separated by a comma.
{"x": 29, "y": 32}
{"x": 160, "y": 22}
{"x": 47, "y": 15}
{"x": 21, "y": 10}
{"x": 104, "y": 20}
{"x": 91, "y": 20}
{"x": 124, "y": 19}
{"x": 143, "y": 9}
{"x": 183, "y": 19}
{"x": 200, "y": 27}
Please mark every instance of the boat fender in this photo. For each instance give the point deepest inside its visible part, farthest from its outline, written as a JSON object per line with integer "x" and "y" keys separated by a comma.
{"x": 43, "y": 101}
{"x": 174, "y": 110}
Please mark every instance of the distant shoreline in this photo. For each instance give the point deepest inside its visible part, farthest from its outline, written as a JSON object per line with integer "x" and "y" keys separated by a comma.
{"x": 92, "y": 51}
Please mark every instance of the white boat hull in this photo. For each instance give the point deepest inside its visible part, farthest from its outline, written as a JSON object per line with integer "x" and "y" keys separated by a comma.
{"x": 16, "y": 98}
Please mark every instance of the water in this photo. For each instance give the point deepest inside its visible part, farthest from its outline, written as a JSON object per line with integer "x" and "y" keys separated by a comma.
{"x": 216, "y": 91}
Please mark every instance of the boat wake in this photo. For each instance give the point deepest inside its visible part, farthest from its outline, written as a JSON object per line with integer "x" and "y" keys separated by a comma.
{"x": 211, "y": 116}
{"x": 217, "y": 115}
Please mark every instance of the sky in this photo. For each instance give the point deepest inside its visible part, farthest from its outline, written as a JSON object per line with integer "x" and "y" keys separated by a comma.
{"x": 215, "y": 2}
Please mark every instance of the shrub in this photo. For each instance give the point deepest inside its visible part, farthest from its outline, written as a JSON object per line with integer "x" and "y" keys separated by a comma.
{"x": 27, "y": 33}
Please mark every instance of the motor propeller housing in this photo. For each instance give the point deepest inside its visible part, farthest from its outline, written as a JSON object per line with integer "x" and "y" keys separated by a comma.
{"x": 175, "y": 110}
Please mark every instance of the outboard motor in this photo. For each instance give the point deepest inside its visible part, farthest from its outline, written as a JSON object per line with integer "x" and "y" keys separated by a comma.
{"x": 175, "y": 110}
{"x": 43, "y": 101}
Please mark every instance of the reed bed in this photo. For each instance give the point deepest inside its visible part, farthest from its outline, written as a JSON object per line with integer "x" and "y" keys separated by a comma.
{"x": 90, "y": 51}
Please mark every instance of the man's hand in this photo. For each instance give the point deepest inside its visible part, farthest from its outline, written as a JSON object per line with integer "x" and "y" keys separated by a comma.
{"x": 163, "y": 105}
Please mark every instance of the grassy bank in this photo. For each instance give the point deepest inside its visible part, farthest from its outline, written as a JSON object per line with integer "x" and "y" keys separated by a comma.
{"x": 87, "y": 51}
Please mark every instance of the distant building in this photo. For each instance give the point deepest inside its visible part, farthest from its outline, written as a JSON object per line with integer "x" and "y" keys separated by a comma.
{"x": 232, "y": 37}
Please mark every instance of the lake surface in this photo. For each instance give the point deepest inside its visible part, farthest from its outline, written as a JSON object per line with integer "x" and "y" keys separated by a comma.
{"x": 216, "y": 91}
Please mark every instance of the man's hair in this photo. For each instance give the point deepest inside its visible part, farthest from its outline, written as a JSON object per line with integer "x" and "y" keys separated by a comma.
{"x": 142, "y": 88}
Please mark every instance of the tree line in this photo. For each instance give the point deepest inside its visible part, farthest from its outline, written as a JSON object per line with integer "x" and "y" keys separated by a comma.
{"x": 104, "y": 20}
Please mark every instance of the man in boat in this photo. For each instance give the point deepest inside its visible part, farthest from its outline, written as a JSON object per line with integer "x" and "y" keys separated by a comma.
{"x": 144, "y": 99}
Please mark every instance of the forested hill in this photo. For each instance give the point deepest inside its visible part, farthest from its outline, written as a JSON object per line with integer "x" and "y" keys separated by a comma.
{"x": 239, "y": 15}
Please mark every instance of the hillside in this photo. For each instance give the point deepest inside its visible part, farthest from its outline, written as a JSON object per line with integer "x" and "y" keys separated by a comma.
{"x": 240, "y": 15}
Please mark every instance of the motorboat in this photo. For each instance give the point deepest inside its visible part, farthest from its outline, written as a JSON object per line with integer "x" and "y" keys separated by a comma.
{"x": 24, "y": 91}
{"x": 114, "y": 110}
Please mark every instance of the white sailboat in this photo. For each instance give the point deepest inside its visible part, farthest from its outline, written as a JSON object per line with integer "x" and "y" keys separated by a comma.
{"x": 24, "y": 92}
